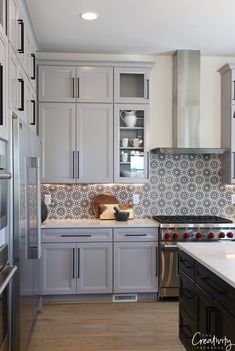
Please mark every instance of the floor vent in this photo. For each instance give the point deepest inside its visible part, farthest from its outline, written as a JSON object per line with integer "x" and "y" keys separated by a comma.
{"x": 125, "y": 298}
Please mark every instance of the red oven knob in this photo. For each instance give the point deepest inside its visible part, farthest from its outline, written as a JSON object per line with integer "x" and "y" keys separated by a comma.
{"x": 230, "y": 235}
{"x": 199, "y": 235}
{"x": 186, "y": 235}
{"x": 175, "y": 235}
{"x": 211, "y": 235}
{"x": 167, "y": 235}
{"x": 221, "y": 235}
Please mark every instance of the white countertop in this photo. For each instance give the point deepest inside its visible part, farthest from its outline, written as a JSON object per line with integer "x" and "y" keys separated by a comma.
{"x": 83, "y": 223}
{"x": 219, "y": 258}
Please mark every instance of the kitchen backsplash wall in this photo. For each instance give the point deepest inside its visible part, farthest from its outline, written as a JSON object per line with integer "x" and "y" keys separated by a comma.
{"x": 178, "y": 185}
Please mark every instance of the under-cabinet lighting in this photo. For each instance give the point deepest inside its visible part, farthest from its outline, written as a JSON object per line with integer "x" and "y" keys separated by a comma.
{"x": 89, "y": 16}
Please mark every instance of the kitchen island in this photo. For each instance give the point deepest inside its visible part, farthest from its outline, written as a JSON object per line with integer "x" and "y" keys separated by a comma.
{"x": 207, "y": 295}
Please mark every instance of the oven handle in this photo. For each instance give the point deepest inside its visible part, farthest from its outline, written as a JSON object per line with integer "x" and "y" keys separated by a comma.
{"x": 5, "y": 175}
{"x": 169, "y": 247}
{"x": 12, "y": 270}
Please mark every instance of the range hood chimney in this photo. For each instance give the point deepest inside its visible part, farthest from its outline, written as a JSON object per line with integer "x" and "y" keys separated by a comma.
{"x": 186, "y": 105}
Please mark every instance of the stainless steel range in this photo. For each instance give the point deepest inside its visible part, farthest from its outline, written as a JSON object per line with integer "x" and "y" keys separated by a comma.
{"x": 173, "y": 229}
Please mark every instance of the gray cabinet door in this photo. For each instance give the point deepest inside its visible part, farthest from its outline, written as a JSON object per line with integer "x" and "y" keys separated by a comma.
{"x": 94, "y": 143}
{"x": 57, "y": 131}
{"x": 135, "y": 267}
{"x": 57, "y": 83}
{"x": 59, "y": 268}
{"x": 94, "y": 84}
{"x": 94, "y": 268}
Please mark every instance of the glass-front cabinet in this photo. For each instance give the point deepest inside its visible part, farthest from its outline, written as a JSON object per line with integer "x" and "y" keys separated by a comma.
{"x": 131, "y": 144}
{"x": 131, "y": 84}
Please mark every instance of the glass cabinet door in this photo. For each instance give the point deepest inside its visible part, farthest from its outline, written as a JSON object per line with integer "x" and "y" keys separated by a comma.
{"x": 131, "y": 157}
{"x": 131, "y": 85}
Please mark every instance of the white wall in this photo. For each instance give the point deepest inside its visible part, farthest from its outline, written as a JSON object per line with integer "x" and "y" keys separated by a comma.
{"x": 161, "y": 93}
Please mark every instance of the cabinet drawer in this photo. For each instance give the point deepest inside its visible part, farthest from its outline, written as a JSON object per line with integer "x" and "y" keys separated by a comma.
{"x": 186, "y": 264}
{"x": 218, "y": 289}
{"x": 186, "y": 328}
{"x": 136, "y": 234}
{"x": 187, "y": 294}
{"x": 76, "y": 235}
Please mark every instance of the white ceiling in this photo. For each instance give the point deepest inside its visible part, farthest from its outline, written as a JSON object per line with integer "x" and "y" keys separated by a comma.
{"x": 135, "y": 26}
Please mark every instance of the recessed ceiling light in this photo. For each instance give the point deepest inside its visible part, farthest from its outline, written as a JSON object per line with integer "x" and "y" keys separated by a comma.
{"x": 89, "y": 16}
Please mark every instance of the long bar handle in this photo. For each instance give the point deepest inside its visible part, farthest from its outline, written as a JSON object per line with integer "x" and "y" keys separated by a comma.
{"x": 21, "y": 49}
{"x": 33, "y": 77}
{"x": 1, "y": 95}
{"x": 233, "y": 90}
{"x": 147, "y": 88}
{"x": 78, "y": 263}
{"x": 12, "y": 270}
{"x": 73, "y": 88}
{"x": 21, "y": 81}
{"x": 39, "y": 232}
{"x": 156, "y": 261}
{"x": 233, "y": 162}
{"x": 78, "y": 164}
{"x": 148, "y": 165}
{"x": 33, "y": 123}
{"x": 76, "y": 236}
{"x": 136, "y": 235}
{"x": 74, "y": 276}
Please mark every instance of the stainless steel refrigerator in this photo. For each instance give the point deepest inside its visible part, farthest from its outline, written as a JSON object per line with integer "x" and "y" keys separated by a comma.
{"x": 26, "y": 232}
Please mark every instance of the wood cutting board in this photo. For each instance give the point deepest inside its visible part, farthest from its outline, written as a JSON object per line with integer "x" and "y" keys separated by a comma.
{"x": 104, "y": 198}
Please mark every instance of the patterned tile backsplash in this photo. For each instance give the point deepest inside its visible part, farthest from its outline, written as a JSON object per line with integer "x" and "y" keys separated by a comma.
{"x": 178, "y": 185}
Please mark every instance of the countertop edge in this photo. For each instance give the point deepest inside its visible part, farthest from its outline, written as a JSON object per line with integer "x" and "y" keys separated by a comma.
{"x": 207, "y": 265}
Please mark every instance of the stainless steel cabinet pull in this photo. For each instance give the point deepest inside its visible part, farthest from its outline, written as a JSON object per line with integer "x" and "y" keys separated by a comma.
{"x": 134, "y": 235}
{"x": 21, "y": 81}
{"x": 233, "y": 162}
{"x": 74, "y": 175}
{"x": 21, "y": 49}
{"x": 1, "y": 95}
{"x": 234, "y": 90}
{"x": 147, "y": 88}
{"x": 78, "y": 164}
{"x": 76, "y": 236}
{"x": 156, "y": 261}
{"x": 33, "y": 77}
{"x": 33, "y": 123}
{"x": 74, "y": 264}
{"x": 147, "y": 164}
{"x": 78, "y": 263}
{"x": 78, "y": 87}
{"x": 5, "y": 175}
{"x": 73, "y": 87}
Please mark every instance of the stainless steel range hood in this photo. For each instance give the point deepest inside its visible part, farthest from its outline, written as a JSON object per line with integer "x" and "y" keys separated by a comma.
{"x": 186, "y": 105}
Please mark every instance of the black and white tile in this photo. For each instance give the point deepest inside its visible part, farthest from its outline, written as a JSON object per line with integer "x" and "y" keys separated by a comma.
{"x": 178, "y": 185}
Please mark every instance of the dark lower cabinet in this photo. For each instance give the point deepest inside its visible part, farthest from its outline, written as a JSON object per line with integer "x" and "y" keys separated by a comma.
{"x": 204, "y": 322}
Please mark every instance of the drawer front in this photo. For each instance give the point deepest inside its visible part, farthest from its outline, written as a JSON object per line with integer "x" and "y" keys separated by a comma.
{"x": 136, "y": 234}
{"x": 218, "y": 289}
{"x": 187, "y": 294}
{"x": 76, "y": 235}
{"x": 186, "y": 264}
{"x": 186, "y": 328}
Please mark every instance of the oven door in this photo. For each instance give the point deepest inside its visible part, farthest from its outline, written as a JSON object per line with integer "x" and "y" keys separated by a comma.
{"x": 6, "y": 275}
{"x": 169, "y": 275}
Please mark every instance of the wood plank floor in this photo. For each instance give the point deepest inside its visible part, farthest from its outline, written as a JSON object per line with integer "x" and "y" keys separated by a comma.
{"x": 142, "y": 326}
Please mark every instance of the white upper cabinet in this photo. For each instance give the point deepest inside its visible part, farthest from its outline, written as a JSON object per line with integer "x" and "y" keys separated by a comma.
{"x": 75, "y": 84}
{"x": 131, "y": 84}
{"x": 13, "y": 24}
{"x": 57, "y": 83}
{"x": 57, "y": 132}
{"x": 94, "y": 143}
{"x": 94, "y": 84}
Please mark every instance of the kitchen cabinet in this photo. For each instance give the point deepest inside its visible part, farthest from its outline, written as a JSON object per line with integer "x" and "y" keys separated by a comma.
{"x": 13, "y": 24}
{"x": 3, "y": 85}
{"x": 228, "y": 122}
{"x": 3, "y": 15}
{"x": 77, "y": 142}
{"x": 77, "y": 262}
{"x": 75, "y": 84}
{"x": 207, "y": 304}
{"x": 135, "y": 260}
{"x": 131, "y": 84}
{"x": 131, "y": 156}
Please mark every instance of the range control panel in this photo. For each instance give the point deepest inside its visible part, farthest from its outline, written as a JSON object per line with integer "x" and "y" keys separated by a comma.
{"x": 197, "y": 234}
